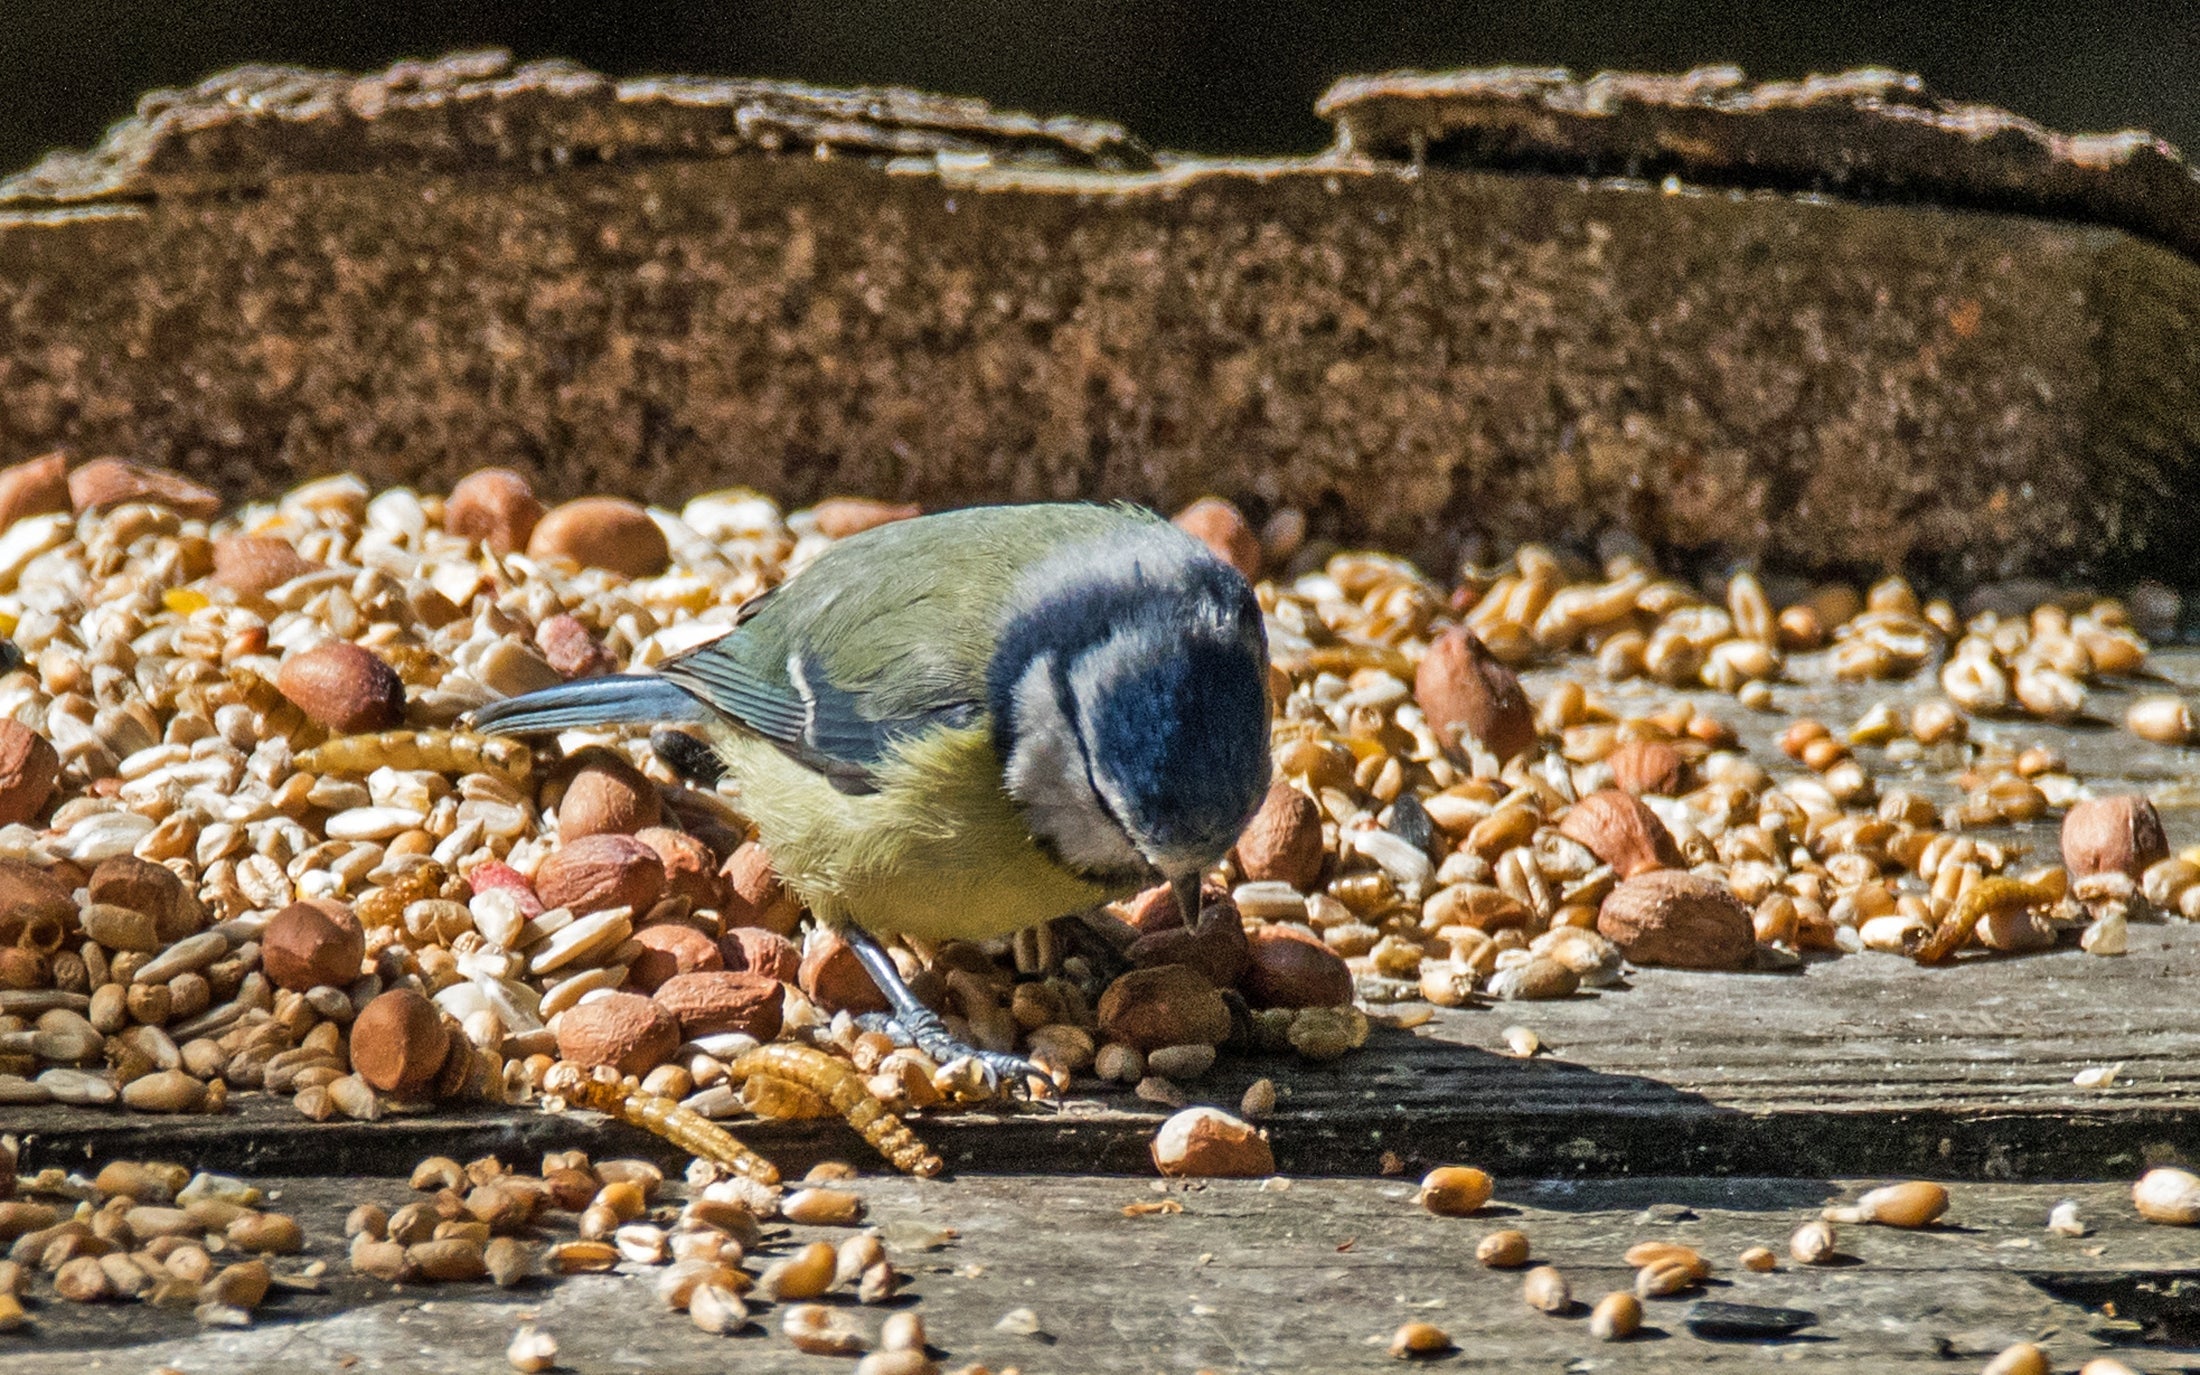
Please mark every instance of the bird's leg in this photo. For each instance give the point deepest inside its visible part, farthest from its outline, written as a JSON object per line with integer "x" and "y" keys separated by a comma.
{"x": 923, "y": 1026}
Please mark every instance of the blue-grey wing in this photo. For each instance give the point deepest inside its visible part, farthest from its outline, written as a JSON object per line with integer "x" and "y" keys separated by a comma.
{"x": 840, "y": 732}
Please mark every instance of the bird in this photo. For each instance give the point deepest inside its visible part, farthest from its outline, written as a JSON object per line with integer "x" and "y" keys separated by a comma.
{"x": 964, "y": 724}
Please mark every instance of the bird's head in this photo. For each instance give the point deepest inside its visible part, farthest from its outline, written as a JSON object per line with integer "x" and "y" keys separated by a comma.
{"x": 1129, "y": 700}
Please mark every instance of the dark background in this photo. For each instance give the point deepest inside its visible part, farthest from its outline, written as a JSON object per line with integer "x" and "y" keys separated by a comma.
{"x": 1232, "y": 76}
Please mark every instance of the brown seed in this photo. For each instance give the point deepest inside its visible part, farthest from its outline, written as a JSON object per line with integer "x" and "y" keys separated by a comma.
{"x": 2020, "y": 1359}
{"x": 822, "y": 1208}
{"x": 856, "y": 1255}
{"x": 1166, "y": 1006}
{"x": 608, "y": 796}
{"x": 1503, "y": 1250}
{"x": 840, "y": 517}
{"x": 1220, "y": 526}
{"x": 267, "y": 1234}
{"x": 572, "y": 650}
{"x": 83, "y": 1280}
{"x": 35, "y": 487}
{"x": 254, "y": 565}
{"x": 691, "y": 870}
{"x": 723, "y": 1000}
{"x": 583, "y": 1257}
{"x": 1283, "y": 842}
{"x": 599, "y": 872}
{"x": 1663, "y": 1276}
{"x": 494, "y": 506}
{"x": 242, "y": 1285}
{"x": 630, "y": 1033}
{"x": 168, "y": 1090}
{"x": 1468, "y": 694}
{"x": 761, "y": 952}
{"x": 835, "y": 979}
{"x": 398, "y": 1043}
{"x": 2167, "y": 1194}
{"x": 1454, "y": 1190}
{"x": 105, "y": 483}
{"x": 154, "y": 889}
{"x": 1259, "y": 1099}
{"x": 1288, "y": 966}
{"x": 667, "y": 949}
{"x": 1546, "y": 1289}
{"x": 1653, "y": 1252}
{"x": 1648, "y": 766}
{"x": 820, "y": 1331}
{"x": 1759, "y": 1259}
{"x": 610, "y": 533}
{"x": 383, "y": 1260}
{"x": 1911, "y": 1204}
{"x": 1209, "y": 1143}
{"x": 2113, "y": 835}
{"x": 1619, "y": 829}
{"x": 1615, "y": 1317}
{"x": 1416, "y": 1339}
{"x": 755, "y": 896}
{"x": 344, "y": 687}
{"x": 804, "y": 1275}
{"x": 1215, "y": 945}
{"x": 29, "y": 768}
{"x": 1671, "y": 917}
{"x": 449, "y": 1259}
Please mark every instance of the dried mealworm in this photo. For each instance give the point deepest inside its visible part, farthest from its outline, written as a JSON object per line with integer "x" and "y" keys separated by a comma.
{"x": 839, "y": 1084}
{"x": 683, "y": 1127}
{"x": 278, "y": 714}
{"x": 1987, "y": 895}
{"x": 436, "y": 751}
{"x": 782, "y": 1099}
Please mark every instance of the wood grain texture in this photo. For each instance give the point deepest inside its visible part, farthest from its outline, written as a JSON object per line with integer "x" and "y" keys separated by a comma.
{"x": 1314, "y": 1277}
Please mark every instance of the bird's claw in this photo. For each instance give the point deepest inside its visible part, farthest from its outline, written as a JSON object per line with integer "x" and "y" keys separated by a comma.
{"x": 995, "y": 1069}
{"x": 1020, "y": 1076}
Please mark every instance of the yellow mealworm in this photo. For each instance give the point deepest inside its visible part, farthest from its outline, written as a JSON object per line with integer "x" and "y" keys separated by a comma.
{"x": 683, "y": 1127}
{"x": 436, "y": 751}
{"x": 783, "y": 1099}
{"x": 1987, "y": 895}
{"x": 838, "y": 1083}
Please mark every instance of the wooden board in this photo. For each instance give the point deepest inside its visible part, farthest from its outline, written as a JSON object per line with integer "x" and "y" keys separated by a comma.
{"x": 1858, "y": 1064}
{"x": 1861, "y": 1064}
{"x": 1314, "y": 1277}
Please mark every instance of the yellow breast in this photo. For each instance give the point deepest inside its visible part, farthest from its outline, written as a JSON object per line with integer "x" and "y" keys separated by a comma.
{"x": 938, "y": 851}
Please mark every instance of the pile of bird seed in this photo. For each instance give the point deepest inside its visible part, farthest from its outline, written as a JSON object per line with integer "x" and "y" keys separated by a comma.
{"x": 243, "y": 848}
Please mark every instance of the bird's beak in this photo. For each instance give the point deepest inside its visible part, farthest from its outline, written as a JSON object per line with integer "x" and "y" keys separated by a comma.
{"x": 1187, "y": 897}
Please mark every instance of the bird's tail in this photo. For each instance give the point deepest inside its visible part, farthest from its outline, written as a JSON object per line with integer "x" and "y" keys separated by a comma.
{"x": 629, "y": 699}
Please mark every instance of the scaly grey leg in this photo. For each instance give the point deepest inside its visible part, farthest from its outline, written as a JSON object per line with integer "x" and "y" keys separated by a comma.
{"x": 923, "y": 1026}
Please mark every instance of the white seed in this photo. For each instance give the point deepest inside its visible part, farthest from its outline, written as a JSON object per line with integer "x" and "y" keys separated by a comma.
{"x": 2108, "y": 936}
{"x": 716, "y": 1309}
{"x": 2167, "y": 1194}
{"x": 1546, "y": 1289}
{"x": 2063, "y": 1220}
{"x": 1813, "y": 1243}
{"x": 532, "y": 1349}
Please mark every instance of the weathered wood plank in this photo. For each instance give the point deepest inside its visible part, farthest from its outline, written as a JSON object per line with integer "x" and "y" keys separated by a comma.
{"x": 1246, "y": 1279}
{"x": 1860, "y": 1063}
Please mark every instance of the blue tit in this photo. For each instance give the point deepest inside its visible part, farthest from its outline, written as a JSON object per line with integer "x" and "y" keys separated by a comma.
{"x": 966, "y": 724}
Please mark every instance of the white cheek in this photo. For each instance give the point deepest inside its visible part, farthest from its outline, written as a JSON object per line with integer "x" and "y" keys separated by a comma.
{"x": 1047, "y": 775}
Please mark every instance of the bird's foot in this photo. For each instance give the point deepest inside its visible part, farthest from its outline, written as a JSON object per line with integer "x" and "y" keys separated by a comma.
{"x": 923, "y": 1029}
